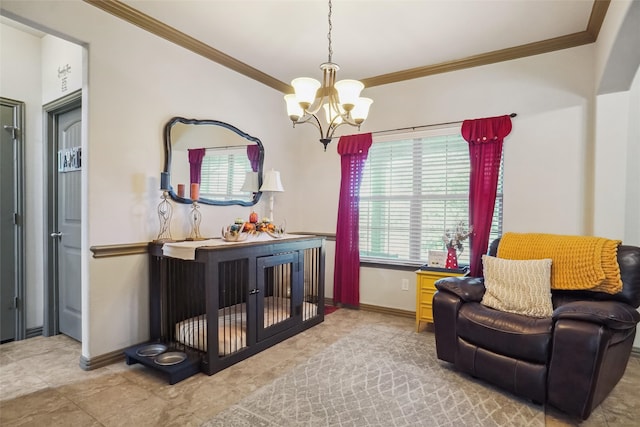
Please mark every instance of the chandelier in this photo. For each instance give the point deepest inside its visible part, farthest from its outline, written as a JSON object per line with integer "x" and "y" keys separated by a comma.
{"x": 340, "y": 101}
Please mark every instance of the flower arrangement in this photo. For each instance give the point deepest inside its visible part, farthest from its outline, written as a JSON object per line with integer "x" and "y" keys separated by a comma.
{"x": 454, "y": 238}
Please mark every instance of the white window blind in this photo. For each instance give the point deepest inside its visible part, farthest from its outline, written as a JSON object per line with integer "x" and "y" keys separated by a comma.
{"x": 223, "y": 174}
{"x": 413, "y": 189}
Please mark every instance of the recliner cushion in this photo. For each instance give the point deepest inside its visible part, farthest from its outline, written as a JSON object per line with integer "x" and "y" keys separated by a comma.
{"x": 521, "y": 337}
{"x": 518, "y": 286}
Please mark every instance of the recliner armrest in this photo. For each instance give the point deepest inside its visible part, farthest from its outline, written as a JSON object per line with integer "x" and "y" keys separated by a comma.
{"x": 613, "y": 314}
{"x": 468, "y": 289}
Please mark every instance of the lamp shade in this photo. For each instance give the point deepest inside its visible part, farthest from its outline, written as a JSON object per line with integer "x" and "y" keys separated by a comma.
{"x": 361, "y": 110}
{"x": 349, "y": 92}
{"x": 272, "y": 182}
{"x": 250, "y": 184}
{"x": 294, "y": 110}
{"x": 305, "y": 89}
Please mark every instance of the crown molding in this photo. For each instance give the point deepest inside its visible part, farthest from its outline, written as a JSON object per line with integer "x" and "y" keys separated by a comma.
{"x": 146, "y": 22}
{"x": 160, "y": 29}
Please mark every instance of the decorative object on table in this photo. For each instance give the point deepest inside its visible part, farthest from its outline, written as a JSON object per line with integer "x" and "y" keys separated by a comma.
{"x": 437, "y": 259}
{"x": 341, "y": 100}
{"x": 277, "y": 232}
{"x": 195, "y": 191}
{"x": 453, "y": 242}
{"x": 195, "y": 218}
{"x": 272, "y": 184}
{"x": 165, "y": 211}
{"x": 253, "y": 217}
{"x": 181, "y": 190}
{"x": 234, "y": 233}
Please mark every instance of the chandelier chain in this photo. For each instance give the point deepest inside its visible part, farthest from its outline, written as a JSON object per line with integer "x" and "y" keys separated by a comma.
{"x": 329, "y": 33}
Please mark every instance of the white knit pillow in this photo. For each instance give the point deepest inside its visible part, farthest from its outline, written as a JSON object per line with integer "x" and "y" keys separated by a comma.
{"x": 518, "y": 286}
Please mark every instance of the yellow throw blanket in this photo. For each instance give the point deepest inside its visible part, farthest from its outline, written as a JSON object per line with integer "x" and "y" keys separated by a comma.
{"x": 578, "y": 262}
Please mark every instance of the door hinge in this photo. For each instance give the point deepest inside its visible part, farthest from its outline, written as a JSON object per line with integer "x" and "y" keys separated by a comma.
{"x": 13, "y": 130}
{"x": 16, "y": 303}
{"x": 16, "y": 219}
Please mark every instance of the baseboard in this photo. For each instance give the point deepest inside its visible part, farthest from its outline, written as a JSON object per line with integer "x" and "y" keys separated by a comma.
{"x": 88, "y": 364}
{"x": 635, "y": 351}
{"x": 376, "y": 309}
{"x": 388, "y": 310}
{"x": 33, "y": 332}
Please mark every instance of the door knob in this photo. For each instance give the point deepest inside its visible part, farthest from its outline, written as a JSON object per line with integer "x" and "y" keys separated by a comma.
{"x": 58, "y": 234}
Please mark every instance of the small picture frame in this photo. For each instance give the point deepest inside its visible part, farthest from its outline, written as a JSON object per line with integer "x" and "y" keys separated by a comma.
{"x": 437, "y": 259}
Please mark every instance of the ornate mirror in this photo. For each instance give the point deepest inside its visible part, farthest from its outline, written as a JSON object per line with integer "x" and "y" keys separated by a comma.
{"x": 226, "y": 162}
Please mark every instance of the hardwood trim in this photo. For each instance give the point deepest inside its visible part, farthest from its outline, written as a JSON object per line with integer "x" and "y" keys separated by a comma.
{"x": 105, "y": 251}
{"x": 375, "y": 309}
{"x": 530, "y": 49}
{"x": 171, "y": 34}
{"x": 598, "y": 12}
{"x": 388, "y": 310}
{"x": 89, "y": 364}
{"x": 146, "y": 22}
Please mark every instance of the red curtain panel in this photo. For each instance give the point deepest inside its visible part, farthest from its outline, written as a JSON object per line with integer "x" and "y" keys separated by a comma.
{"x": 353, "y": 150}
{"x": 485, "y": 138}
{"x": 195, "y": 162}
{"x": 253, "y": 153}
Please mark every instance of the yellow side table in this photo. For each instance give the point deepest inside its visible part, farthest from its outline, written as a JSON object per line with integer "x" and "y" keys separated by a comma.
{"x": 425, "y": 288}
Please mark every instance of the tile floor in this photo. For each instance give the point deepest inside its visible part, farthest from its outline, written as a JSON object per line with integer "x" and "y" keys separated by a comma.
{"x": 41, "y": 383}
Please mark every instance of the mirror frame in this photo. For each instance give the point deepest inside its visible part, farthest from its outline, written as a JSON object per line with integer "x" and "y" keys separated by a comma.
{"x": 167, "y": 161}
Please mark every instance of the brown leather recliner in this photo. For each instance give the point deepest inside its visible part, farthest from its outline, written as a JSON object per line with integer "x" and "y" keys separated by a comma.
{"x": 571, "y": 360}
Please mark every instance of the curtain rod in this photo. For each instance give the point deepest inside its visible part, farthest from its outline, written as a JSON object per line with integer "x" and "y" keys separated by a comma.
{"x": 412, "y": 128}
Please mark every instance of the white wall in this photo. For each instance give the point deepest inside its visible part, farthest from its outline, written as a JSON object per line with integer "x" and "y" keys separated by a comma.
{"x": 612, "y": 143}
{"x": 20, "y": 80}
{"x": 61, "y": 68}
{"x": 632, "y": 216}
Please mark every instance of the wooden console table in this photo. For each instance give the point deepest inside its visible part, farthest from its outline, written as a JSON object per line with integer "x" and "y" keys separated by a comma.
{"x": 221, "y": 302}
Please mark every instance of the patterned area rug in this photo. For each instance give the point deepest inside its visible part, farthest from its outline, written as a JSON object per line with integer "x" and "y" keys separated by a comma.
{"x": 379, "y": 376}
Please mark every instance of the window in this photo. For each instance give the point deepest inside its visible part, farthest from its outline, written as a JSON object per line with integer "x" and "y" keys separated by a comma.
{"x": 413, "y": 189}
{"x": 223, "y": 173}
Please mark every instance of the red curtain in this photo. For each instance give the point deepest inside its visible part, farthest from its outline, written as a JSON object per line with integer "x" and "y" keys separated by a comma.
{"x": 485, "y": 138}
{"x": 195, "y": 162}
{"x": 253, "y": 153}
{"x": 353, "y": 150}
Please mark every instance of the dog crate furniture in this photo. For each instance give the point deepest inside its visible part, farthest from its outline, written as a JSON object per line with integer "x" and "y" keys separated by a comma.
{"x": 231, "y": 301}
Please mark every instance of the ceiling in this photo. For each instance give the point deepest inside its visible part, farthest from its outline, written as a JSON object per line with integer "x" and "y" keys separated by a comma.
{"x": 377, "y": 41}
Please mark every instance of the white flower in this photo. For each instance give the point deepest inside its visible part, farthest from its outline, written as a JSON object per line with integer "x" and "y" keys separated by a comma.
{"x": 454, "y": 238}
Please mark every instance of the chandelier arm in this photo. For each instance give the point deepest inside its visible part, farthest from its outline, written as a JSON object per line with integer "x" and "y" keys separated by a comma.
{"x": 317, "y": 123}
{"x": 307, "y": 119}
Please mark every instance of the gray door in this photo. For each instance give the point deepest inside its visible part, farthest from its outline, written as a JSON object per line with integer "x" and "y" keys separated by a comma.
{"x": 7, "y": 225}
{"x": 69, "y": 225}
